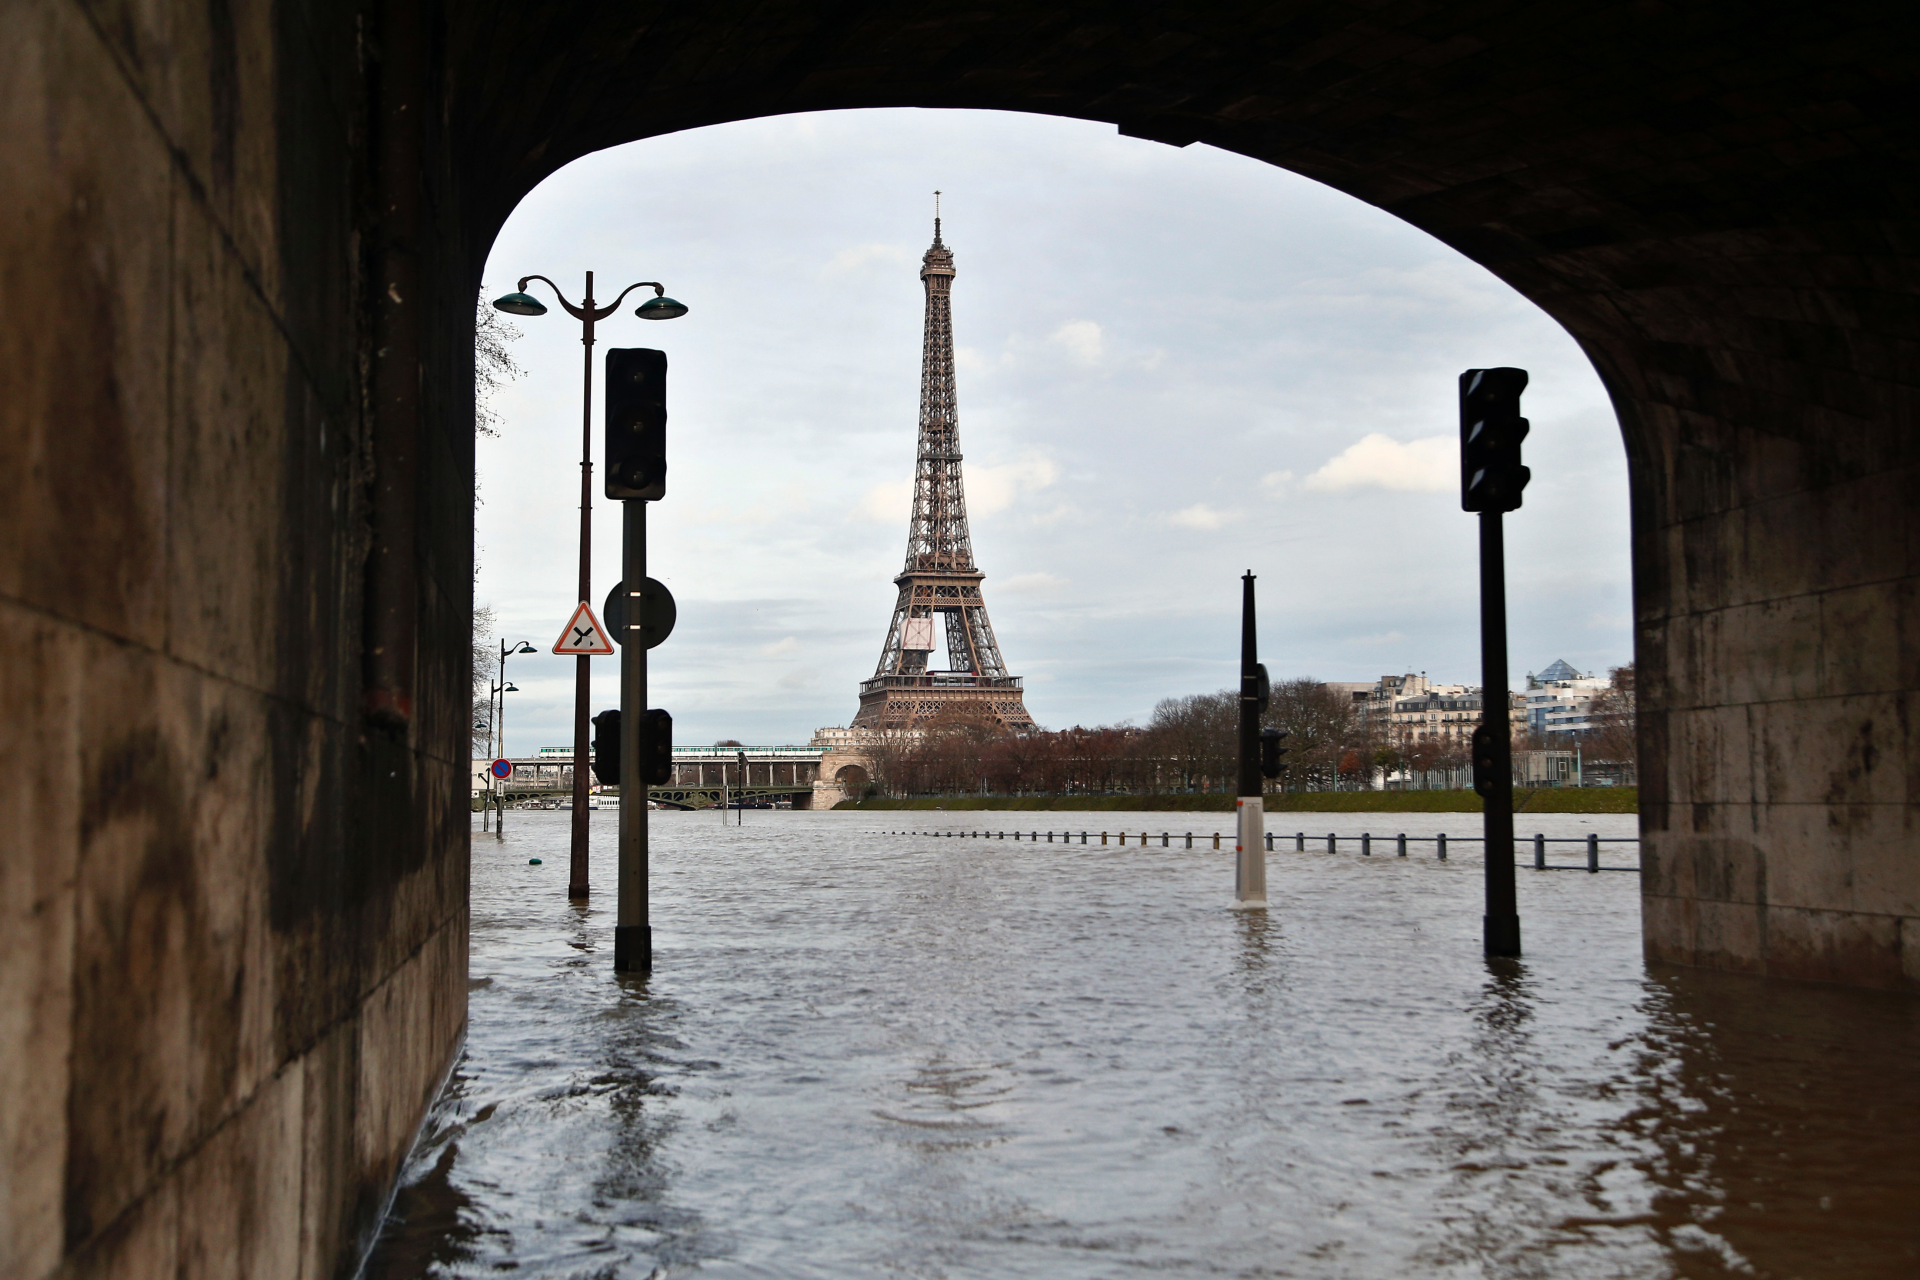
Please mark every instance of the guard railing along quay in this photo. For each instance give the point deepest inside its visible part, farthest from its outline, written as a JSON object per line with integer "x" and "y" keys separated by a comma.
{"x": 1364, "y": 841}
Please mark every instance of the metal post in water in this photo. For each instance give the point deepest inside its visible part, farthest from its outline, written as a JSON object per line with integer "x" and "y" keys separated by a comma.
{"x": 1442, "y": 838}
{"x": 1250, "y": 858}
{"x": 632, "y": 933}
{"x": 1403, "y": 844}
{"x": 1593, "y": 851}
{"x": 1539, "y": 851}
{"x": 1493, "y": 747}
{"x": 1366, "y": 844}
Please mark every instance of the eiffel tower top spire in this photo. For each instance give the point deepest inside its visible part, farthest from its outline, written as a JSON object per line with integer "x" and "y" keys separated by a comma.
{"x": 939, "y": 577}
{"x": 938, "y": 538}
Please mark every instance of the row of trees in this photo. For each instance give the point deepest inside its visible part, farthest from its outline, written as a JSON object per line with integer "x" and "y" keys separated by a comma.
{"x": 1190, "y": 745}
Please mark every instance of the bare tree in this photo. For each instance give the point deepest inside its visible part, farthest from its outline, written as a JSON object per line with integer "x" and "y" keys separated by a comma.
{"x": 493, "y": 364}
{"x": 1318, "y": 724}
{"x": 485, "y": 662}
{"x": 1197, "y": 737}
{"x": 1613, "y": 739}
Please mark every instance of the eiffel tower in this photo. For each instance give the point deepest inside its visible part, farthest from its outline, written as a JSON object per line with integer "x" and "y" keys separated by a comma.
{"x": 939, "y": 577}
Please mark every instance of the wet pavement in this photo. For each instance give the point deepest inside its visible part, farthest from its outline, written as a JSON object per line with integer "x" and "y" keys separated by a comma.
{"x": 867, "y": 1054}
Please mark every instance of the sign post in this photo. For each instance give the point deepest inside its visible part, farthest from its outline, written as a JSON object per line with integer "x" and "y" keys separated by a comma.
{"x": 502, "y": 772}
{"x": 583, "y": 637}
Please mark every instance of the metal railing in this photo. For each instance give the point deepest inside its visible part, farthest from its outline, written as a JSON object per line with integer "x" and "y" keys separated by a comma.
{"x": 1364, "y": 842}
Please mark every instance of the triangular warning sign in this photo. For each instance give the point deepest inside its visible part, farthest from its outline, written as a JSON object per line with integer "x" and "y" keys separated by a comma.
{"x": 583, "y": 635}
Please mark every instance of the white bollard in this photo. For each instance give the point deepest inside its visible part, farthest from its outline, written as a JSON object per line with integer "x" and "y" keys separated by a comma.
{"x": 1250, "y": 855}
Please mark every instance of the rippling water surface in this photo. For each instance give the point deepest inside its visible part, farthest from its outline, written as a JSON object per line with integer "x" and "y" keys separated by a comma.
{"x": 871, "y": 1054}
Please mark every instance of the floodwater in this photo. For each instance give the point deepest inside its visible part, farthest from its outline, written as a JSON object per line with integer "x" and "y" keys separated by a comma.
{"x": 875, "y": 1055}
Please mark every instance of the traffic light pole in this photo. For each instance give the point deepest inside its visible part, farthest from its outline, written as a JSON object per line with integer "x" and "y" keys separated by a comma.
{"x": 1250, "y": 854}
{"x": 632, "y": 934}
{"x": 1493, "y": 745}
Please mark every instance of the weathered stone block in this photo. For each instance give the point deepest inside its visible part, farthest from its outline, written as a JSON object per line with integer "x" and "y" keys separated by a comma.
{"x": 82, "y": 424}
{"x": 240, "y": 1191}
{"x": 40, "y": 812}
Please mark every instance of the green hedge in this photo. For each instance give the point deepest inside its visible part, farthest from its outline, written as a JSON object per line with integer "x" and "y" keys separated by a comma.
{"x": 1539, "y": 800}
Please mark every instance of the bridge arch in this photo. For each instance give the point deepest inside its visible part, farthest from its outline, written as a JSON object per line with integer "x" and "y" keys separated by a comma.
{"x": 237, "y": 571}
{"x": 1726, "y": 257}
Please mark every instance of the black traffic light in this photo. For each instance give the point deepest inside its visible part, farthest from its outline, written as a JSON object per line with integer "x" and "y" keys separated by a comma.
{"x": 1270, "y": 752}
{"x": 606, "y": 748}
{"x": 636, "y": 423}
{"x": 1486, "y": 759}
{"x": 1491, "y": 430}
{"x": 656, "y": 748}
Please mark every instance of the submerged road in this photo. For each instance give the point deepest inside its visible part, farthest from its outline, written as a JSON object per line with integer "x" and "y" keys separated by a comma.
{"x": 875, "y": 1055}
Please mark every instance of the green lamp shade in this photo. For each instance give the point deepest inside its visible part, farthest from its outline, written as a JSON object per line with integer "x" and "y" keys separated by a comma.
{"x": 520, "y": 304}
{"x": 657, "y": 309}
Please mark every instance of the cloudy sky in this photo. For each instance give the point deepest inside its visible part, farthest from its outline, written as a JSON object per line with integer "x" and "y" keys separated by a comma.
{"x": 1175, "y": 365}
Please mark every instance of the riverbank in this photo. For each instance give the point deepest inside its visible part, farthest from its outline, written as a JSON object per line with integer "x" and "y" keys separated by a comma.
{"x": 1537, "y": 800}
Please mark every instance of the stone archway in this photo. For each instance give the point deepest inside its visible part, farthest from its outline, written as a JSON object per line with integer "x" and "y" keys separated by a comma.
{"x": 1729, "y": 257}
{"x": 844, "y": 775}
{"x": 237, "y": 574}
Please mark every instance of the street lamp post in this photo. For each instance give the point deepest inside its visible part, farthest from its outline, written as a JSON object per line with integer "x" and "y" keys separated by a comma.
{"x": 496, "y": 748}
{"x": 500, "y": 725}
{"x": 658, "y": 307}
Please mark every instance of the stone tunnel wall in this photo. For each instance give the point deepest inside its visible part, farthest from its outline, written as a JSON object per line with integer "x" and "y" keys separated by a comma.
{"x": 233, "y": 891}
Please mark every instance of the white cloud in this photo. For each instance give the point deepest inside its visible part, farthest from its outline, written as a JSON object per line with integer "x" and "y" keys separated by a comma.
{"x": 1391, "y": 637}
{"x": 889, "y": 502}
{"x": 968, "y": 360}
{"x": 1277, "y": 481}
{"x": 860, "y": 255}
{"x": 787, "y": 645}
{"x": 1063, "y": 511}
{"x": 1429, "y": 465}
{"x": 1033, "y": 584}
{"x": 995, "y": 488}
{"x": 1201, "y": 516}
{"x": 1082, "y": 339}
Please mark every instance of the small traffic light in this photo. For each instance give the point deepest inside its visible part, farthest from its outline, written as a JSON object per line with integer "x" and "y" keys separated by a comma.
{"x": 1264, "y": 684}
{"x": 1491, "y": 430}
{"x": 656, "y": 748}
{"x": 606, "y": 748}
{"x": 1485, "y": 767}
{"x": 1270, "y": 753}
{"x": 636, "y": 423}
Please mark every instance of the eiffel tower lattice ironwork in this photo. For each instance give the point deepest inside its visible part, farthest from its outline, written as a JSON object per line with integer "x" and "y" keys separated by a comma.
{"x": 939, "y": 577}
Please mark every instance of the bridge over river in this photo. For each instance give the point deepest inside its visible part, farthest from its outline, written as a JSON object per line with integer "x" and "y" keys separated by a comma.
{"x": 701, "y": 775}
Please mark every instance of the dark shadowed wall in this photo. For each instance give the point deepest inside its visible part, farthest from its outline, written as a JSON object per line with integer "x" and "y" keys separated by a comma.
{"x": 240, "y": 244}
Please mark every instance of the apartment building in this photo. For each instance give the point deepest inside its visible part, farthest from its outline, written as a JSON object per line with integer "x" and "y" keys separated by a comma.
{"x": 1412, "y": 707}
{"x": 1560, "y": 699}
